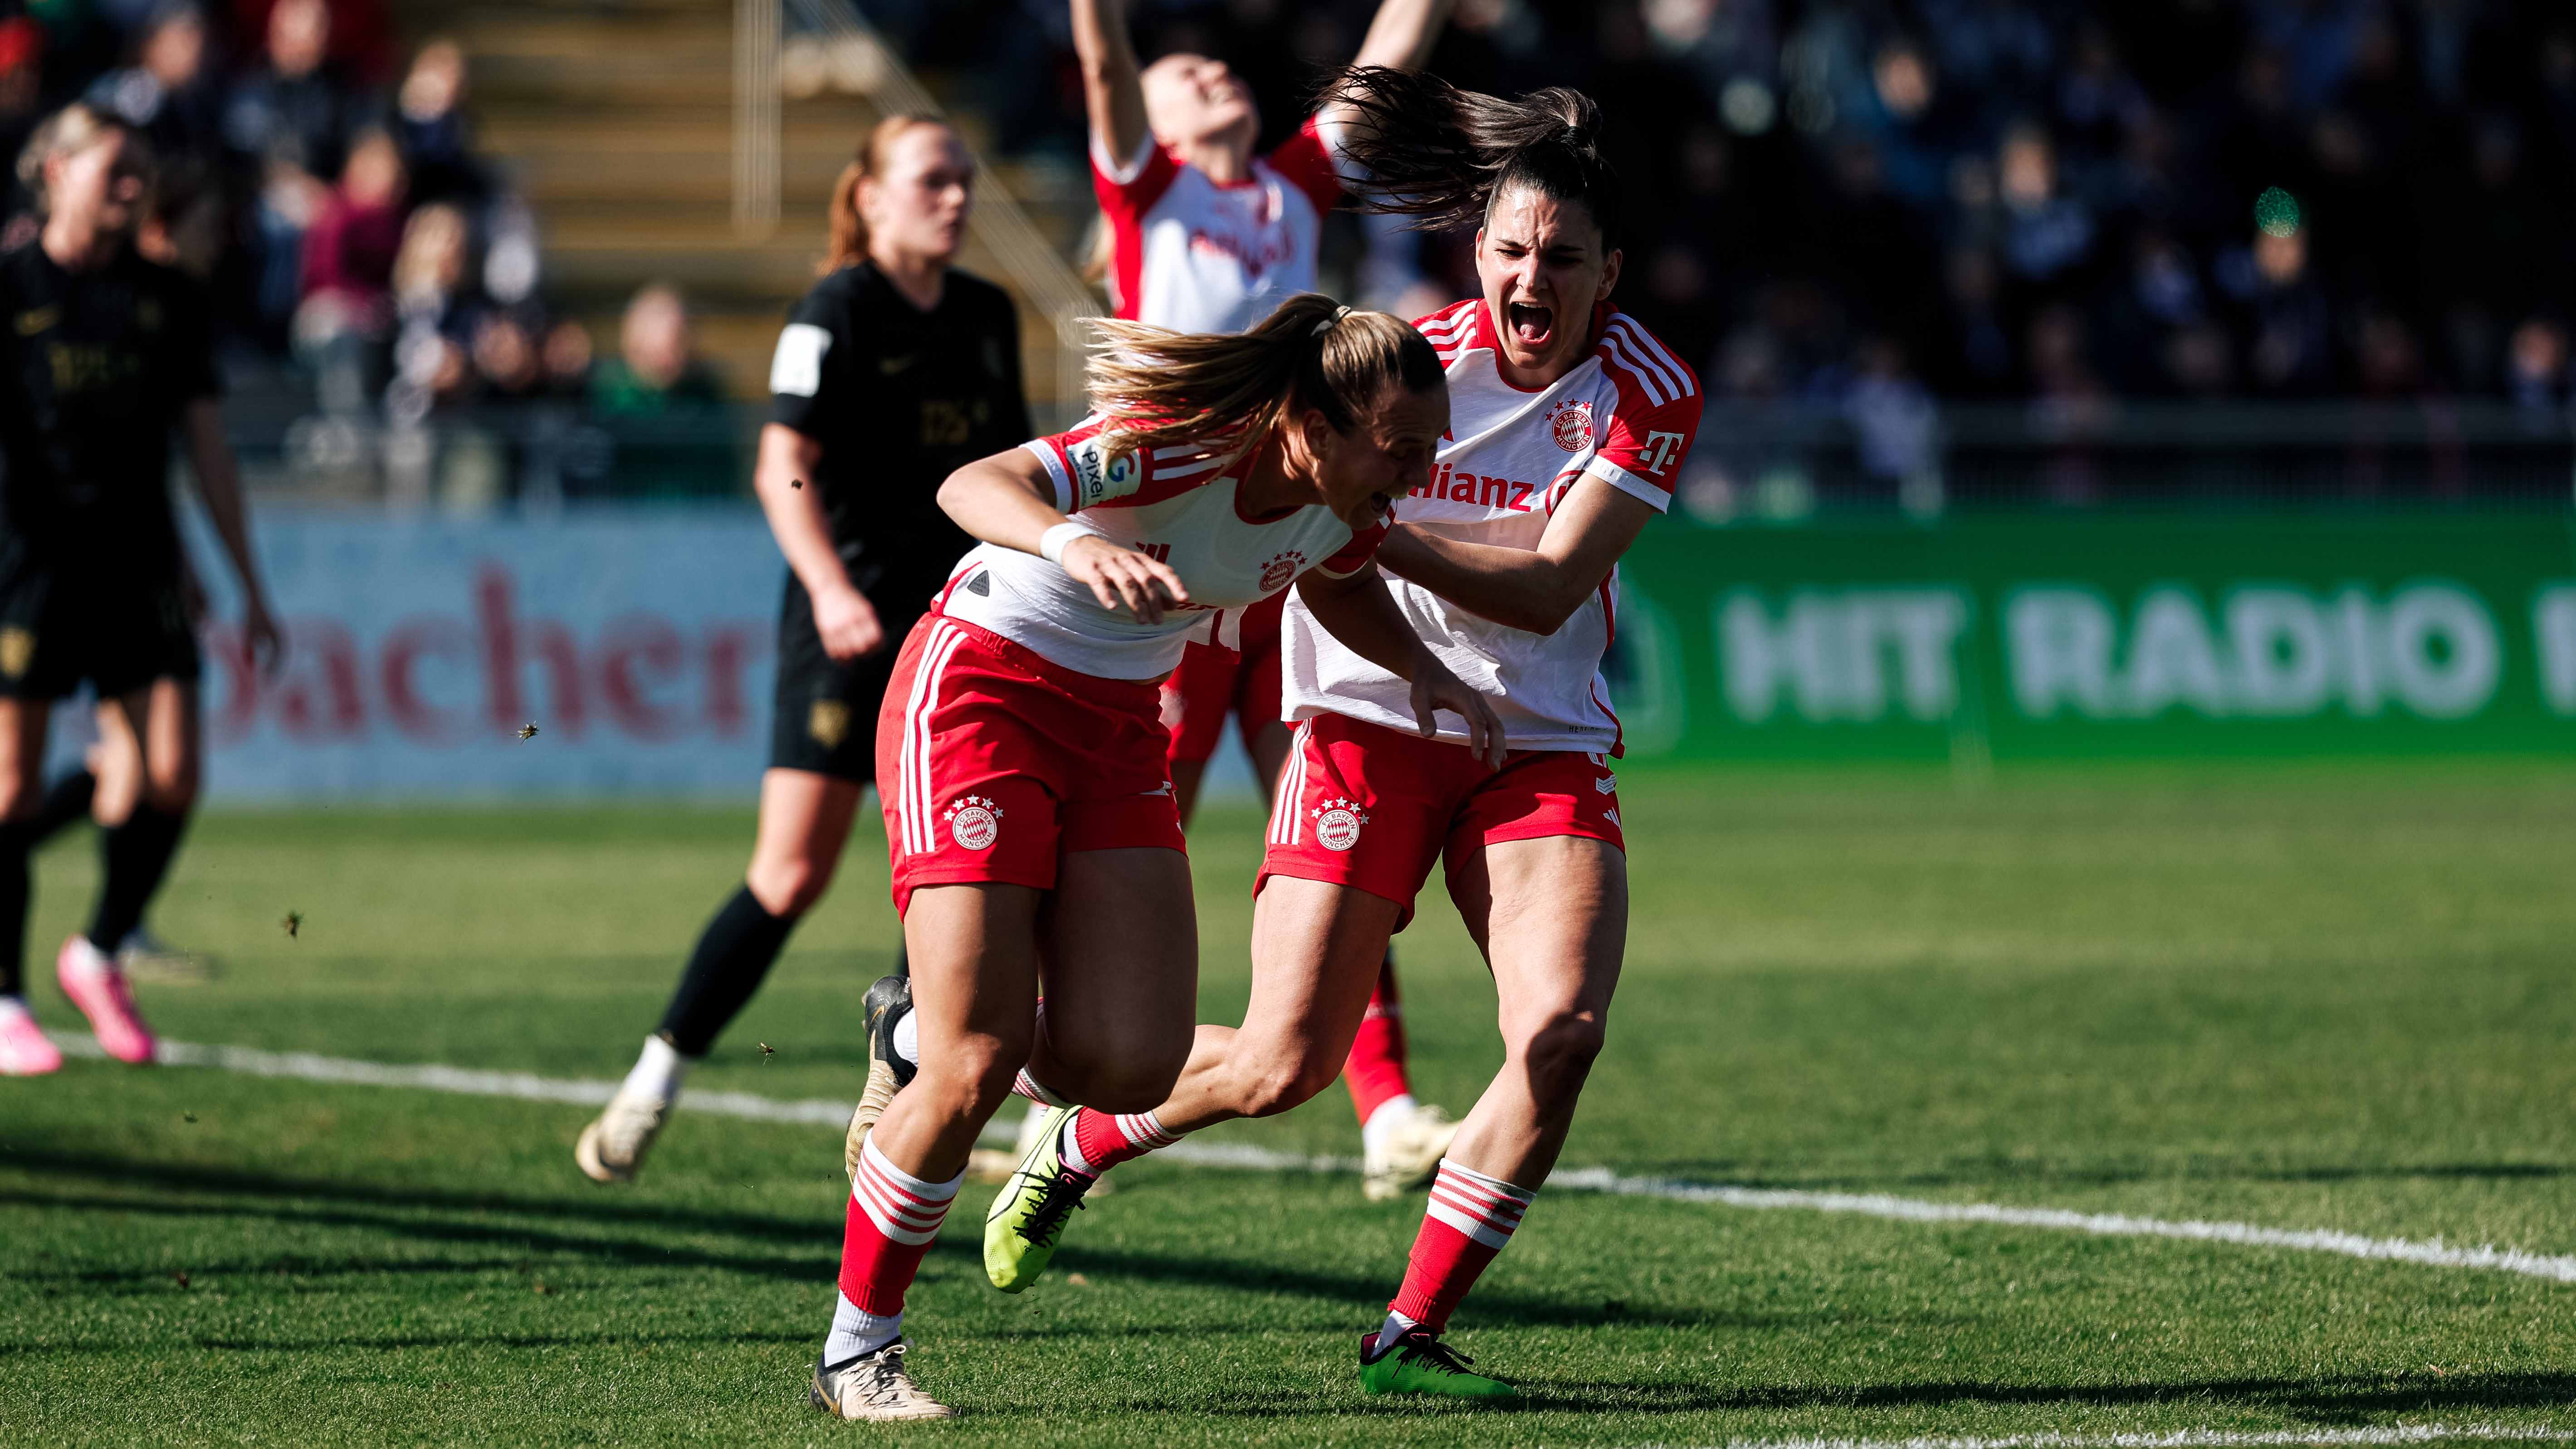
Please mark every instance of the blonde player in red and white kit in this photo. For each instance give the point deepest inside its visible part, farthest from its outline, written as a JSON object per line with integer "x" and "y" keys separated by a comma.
{"x": 1569, "y": 422}
{"x": 1206, "y": 236}
{"x": 1031, "y": 826}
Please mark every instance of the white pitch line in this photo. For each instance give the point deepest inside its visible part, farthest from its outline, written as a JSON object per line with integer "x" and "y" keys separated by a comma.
{"x": 2194, "y": 1439}
{"x": 527, "y": 1086}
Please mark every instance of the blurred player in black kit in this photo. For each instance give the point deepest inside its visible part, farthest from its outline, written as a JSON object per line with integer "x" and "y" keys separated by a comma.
{"x": 104, "y": 357}
{"x": 893, "y": 372}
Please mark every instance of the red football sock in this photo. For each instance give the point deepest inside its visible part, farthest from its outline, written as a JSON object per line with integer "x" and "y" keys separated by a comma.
{"x": 1375, "y": 1070}
{"x": 893, "y": 1216}
{"x": 1102, "y": 1140}
{"x": 1470, "y": 1217}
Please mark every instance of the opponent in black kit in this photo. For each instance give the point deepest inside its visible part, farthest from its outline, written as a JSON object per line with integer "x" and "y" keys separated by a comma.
{"x": 894, "y": 372}
{"x": 103, "y": 357}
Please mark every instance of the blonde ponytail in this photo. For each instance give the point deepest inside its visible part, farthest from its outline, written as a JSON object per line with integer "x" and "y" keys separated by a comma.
{"x": 1227, "y": 391}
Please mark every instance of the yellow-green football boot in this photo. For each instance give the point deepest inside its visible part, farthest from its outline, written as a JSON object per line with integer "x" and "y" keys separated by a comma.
{"x": 1029, "y": 1213}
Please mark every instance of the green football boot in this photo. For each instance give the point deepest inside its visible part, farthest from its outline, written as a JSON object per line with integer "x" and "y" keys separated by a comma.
{"x": 1419, "y": 1363}
{"x": 1029, "y": 1213}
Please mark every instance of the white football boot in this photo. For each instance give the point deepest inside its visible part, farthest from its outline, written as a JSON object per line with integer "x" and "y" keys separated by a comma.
{"x": 874, "y": 1386}
{"x": 1406, "y": 1156}
{"x": 613, "y": 1147}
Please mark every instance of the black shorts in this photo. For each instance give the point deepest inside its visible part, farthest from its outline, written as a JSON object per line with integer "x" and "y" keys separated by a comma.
{"x": 64, "y": 623}
{"x": 824, "y": 718}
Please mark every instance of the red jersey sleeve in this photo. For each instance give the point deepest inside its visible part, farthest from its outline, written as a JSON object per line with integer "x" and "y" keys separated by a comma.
{"x": 1307, "y": 161}
{"x": 1356, "y": 554}
{"x": 1127, "y": 189}
{"x": 1654, "y": 420}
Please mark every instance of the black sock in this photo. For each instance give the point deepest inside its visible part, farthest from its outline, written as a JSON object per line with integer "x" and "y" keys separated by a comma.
{"x": 15, "y": 837}
{"x": 734, "y": 953}
{"x": 66, "y": 800}
{"x": 134, "y": 857}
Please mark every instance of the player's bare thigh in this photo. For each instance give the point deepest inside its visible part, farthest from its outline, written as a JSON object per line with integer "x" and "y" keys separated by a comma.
{"x": 1551, "y": 917}
{"x": 1316, "y": 947}
{"x": 974, "y": 953}
{"x": 1121, "y": 976}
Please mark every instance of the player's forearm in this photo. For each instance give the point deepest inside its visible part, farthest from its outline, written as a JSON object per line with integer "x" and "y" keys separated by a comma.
{"x": 784, "y": 481}
{"x": 219, "y": 484}
{"x": 1113, "y": 87}
{"x": 1403, "y": 33}
{"x": 1006, "y": 500}
{"x": 1514, "y": 587}
{"x": 1360, "y": 613}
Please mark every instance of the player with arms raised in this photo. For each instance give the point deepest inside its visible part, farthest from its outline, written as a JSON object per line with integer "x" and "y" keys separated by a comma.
{"x": 1029, "y": 818}
{"x": 1205, "y": 235}
{"x": 1569, "y": 422}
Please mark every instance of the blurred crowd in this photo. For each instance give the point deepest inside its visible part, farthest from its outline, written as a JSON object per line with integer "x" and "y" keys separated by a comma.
{"x": 325, "y": 186}
{"x": 1872, "y": 202}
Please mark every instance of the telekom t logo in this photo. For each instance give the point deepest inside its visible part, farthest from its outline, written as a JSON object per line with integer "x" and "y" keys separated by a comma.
{"x": 1659, "y": 452}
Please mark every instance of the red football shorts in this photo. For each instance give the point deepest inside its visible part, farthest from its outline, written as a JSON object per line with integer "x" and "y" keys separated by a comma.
{"x": 994, "y": 762}
{"x": 1214, "y": 680}
{"x": 1363, "y": 805}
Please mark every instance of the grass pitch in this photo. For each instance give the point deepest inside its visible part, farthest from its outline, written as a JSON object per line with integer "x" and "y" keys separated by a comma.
{"x": 2303, "y": 997}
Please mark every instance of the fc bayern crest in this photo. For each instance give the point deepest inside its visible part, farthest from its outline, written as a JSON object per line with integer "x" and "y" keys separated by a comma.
{"x": 975, "y": 822}
{"x": 1572, "y": 424}
{"x": 1276, "y": 573}
{"x": 1337, "y": 824}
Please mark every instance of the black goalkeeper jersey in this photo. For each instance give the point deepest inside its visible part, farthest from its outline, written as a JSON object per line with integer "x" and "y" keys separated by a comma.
{"x": 99, "y": 366}
{"x": 899, "y": 398}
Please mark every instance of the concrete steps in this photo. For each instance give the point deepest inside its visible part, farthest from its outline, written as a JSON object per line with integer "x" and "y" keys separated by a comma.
{"x": 617, "y": 127}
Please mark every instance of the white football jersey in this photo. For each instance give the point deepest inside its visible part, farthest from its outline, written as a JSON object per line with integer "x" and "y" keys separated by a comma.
{"x": 1625, "y": 416}
{"x": 1195, "y": 256}
{"x": 1180, "y": 505}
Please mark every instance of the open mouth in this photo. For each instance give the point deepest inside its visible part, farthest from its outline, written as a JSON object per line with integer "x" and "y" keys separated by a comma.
{"x": 1531, "y": 325}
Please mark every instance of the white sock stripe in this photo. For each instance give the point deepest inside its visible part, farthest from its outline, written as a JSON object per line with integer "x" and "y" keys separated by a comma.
{"x": 918, "y": 1187}
{"x": 1496, "y": 1185}
{"x": 909, "y": 1226}
{"x": 1036, "y": 1091}
{"x": 1473, "y": 1227}
{"x": 1144, "y": 1129}
{"x": 893, "y": 1210}
{"x": 1503, "y": 1217}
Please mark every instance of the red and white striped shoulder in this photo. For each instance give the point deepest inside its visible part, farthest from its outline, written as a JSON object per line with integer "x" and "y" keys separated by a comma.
{"x": 1455, "y": 329}
{"x": 1648, "y": 374}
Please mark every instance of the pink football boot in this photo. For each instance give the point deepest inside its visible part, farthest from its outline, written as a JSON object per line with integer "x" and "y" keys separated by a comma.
{"x": 24, "y": 1051}
{"x": 98, "y": 988}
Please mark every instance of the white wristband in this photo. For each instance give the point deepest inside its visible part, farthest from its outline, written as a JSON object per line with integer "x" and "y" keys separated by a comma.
{"x": 1053, "y": 542}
